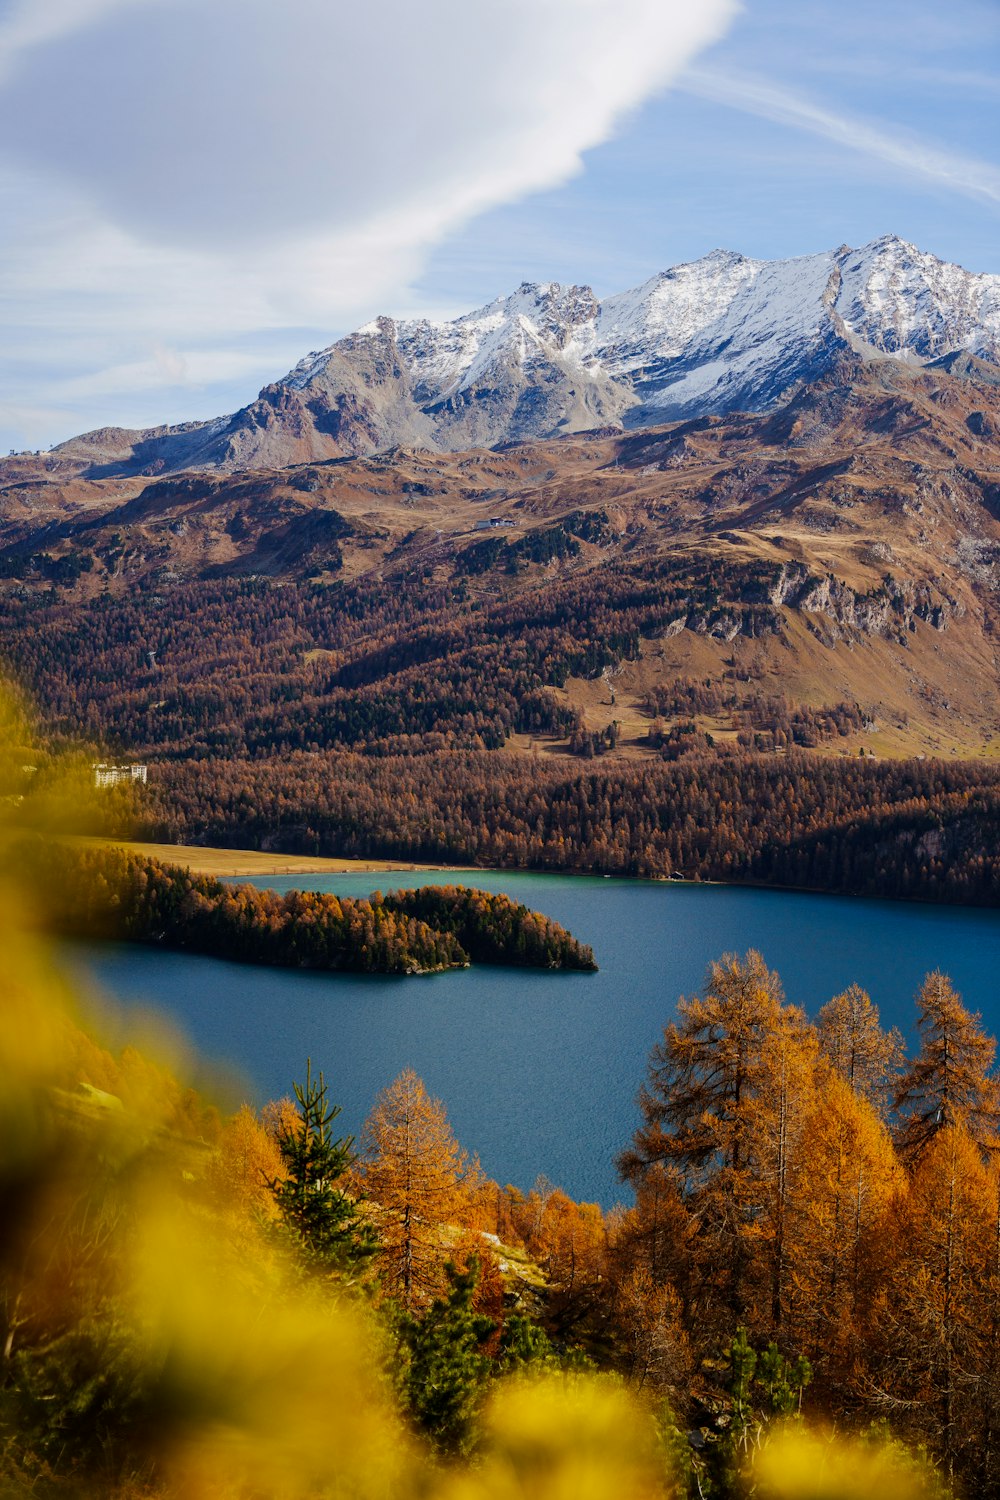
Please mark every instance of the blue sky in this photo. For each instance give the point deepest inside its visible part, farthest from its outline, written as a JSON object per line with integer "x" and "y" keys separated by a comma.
{"x": 194, "y": 199}
{"x": 691, "y": 172}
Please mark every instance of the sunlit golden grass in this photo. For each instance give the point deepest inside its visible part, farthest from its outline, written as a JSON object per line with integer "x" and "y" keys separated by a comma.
{"x": 223, "y": 862}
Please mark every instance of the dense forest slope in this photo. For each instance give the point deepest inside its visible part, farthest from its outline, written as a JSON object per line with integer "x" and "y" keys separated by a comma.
{"x": 912, "y": 828}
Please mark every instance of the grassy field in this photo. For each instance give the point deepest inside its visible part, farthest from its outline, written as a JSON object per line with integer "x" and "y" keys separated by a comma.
{"x": 224, "y": 862}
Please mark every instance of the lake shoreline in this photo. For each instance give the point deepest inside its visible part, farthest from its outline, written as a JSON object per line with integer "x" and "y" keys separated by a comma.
{"x": 539, "y": 1069}
{"x": 234, "y": 864}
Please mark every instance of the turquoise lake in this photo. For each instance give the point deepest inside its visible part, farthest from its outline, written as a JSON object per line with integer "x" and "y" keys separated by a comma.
{"x": 539, "y": 1071}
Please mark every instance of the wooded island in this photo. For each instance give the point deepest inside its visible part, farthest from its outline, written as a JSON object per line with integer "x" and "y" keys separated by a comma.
{"x": 112, "y": 893}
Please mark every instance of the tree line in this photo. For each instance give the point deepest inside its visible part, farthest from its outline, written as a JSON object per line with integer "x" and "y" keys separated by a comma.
{"x": 922, "y": 829}
{"x": 363, "y": 721}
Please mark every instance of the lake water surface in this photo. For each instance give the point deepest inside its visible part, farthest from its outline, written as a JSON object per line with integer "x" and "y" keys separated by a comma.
{"x": 539, "y": 1071}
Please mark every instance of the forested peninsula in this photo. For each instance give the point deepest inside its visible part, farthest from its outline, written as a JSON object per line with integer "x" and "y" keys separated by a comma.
{"x": 112, "y": 893}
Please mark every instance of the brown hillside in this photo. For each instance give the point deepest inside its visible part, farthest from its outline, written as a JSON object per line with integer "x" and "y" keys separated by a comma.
{"x": 868, "y": 505}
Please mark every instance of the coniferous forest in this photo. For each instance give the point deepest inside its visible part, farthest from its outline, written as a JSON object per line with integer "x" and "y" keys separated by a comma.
{"x": 116, "y": 894}
{"x": 363, "y": 721}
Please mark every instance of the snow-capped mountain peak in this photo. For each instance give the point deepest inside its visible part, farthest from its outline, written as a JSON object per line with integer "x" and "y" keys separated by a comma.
{"x": 722, "y": 333}
{"x": 715, "y": 333}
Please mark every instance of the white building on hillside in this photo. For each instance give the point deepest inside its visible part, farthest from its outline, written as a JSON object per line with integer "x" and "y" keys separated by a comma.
{"x": 106, "y": 775}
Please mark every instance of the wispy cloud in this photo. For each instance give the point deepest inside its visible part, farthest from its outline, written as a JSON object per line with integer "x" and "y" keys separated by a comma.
{"x": 184, "y": 173}
{"x": 969, "y": 176}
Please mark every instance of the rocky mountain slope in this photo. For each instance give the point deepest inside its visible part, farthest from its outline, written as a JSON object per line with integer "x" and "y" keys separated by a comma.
{"x": 721, "y": 334}
{"x": 853, "y": 533}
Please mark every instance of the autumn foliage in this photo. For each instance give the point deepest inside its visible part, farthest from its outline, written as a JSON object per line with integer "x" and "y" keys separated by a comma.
{"x": 366, "y": 721}
{"x": 414, "y": 1169}
{"x": 788, "y": 1251}
{"x": 193, "y": 1305}
{"x": 813, "y": 1186}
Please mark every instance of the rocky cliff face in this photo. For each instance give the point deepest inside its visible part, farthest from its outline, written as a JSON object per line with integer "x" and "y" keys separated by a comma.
{"x": 722, "y": 334}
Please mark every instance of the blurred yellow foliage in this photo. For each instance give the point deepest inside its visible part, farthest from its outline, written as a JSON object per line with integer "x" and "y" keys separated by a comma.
{"x": 147, "y": 1349}
{"x": 563, "y": 1438}
{"x": 809, "y": 1465}
{"x": 269, "y": 1390}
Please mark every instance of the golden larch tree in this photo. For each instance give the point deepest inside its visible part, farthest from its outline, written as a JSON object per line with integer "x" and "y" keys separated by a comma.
{"x": 950, "y": 1082}
{"x": 843, "y": 1185}
{"x": 657, "y": 1233}
{"x": 727, "y": 1092}
{"x": 853, "y": 1042}
{"x": 650, "y": 1328}
{"x": 571, "y": 1240}
{"x": 246, "y": 1161}
{"x": 414, "y": 1169}
{"x": 934, "y": 1323}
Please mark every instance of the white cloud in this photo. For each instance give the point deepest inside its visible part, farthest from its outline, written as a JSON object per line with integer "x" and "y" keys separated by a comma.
{"x": 968, "y": 176}
{"x": 184, "y": 173}
{"x": 29, "y": 23}
{"x": 163, "y": 367}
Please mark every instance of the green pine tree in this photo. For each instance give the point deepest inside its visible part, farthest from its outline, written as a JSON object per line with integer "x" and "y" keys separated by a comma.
{"x": 524, "y": 1345}
{"x": 331, "y": 1233}
{"x": 763, "y": 1388}
{"x": 782, "y": 1381}
{"x": 446, "y": 1367}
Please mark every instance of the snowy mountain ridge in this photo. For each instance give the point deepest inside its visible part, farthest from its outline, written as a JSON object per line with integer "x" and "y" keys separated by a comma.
{"x": 710, "y": 334}
{"x": 720, "y": 334}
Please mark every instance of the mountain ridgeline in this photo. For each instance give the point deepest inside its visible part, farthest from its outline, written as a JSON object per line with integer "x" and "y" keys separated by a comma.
{"x": 724, "y": 333}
